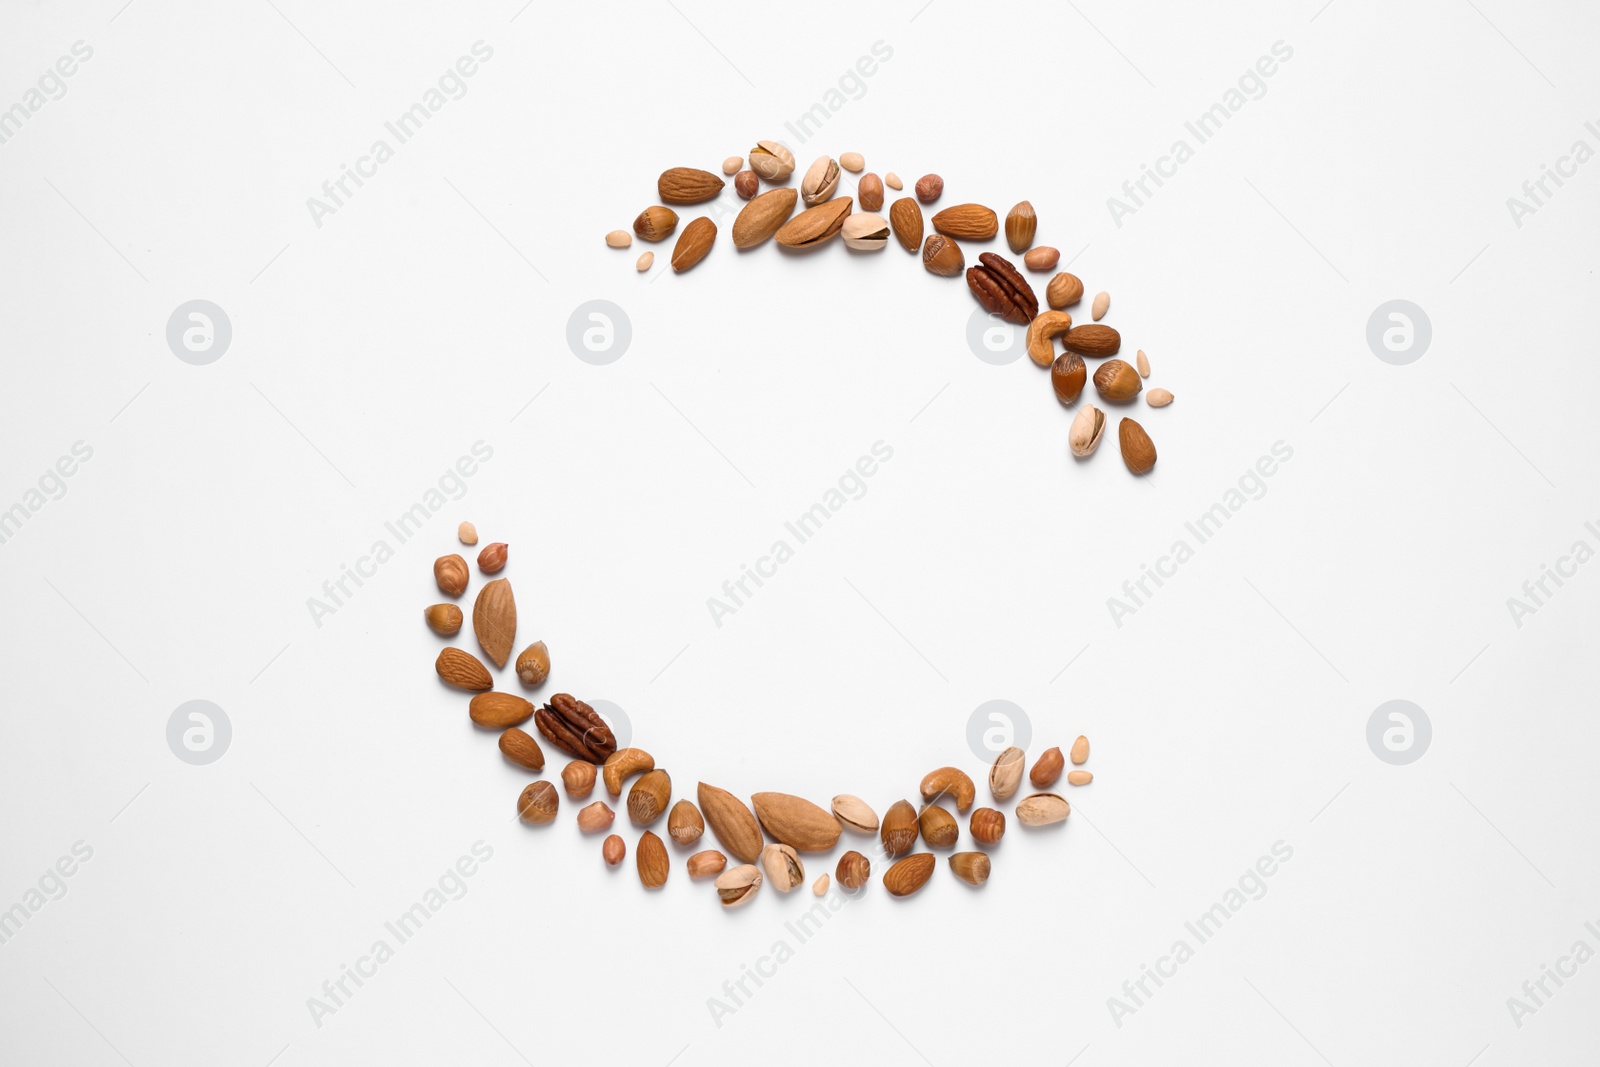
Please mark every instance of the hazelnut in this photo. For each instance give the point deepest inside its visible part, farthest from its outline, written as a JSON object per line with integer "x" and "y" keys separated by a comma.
{"x": 578, "y": 777}
{"x": 493, "y": 558}
{"x": 853, "y": 871}
{"x": 928, "y": 187}
{"x": 538, "y": 803}
{"x": 533, "y": 664}
{"x": 745, "y": 183}
{"x": 451, "y": 573}
{"x": 443, "y": 619}
{"x": 987, "y": 825}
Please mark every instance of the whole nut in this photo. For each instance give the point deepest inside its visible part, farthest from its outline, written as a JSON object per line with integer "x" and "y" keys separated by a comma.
{"x": 1006, "y": 774}
{"x": 1116, "y": 381}
{"x": 1042, "y": 258}
{"x": 938, "y": 827}
{"x": 853, "y": 870}
{"x": 494, "y": 620}
{"x": 684, "y": 824}
{"x": 900, "y": 828}
{"x": 538, "y": 803}
{"x": 1042, "y": 809}
{"x": 796, "y": 821}
{"x": 782, "y": 866}
{"x": 655, "y": 223}
{"x": 520, "y": 748}
{"x": 815, "y": 225}
{"x": 596, "y": 816}
{"x": 907, "y": 876}
{"x": 928, "y": 188}
{"x": 737, "y": 885}
{"x": 705, "y": 864}
{"x": 987, "y": 825}
{"x": 1064, "y": 290}
{"x": 821, "y": 886}
{"x": 949, "y": 782}
{"x": 647, "y": 800}
{"x": 1138, "y": 452}
{"x": 745, "y": 183}
{"x": 1079, "y": 777}
{"x": 1102, "y": 304}
{"x": 763, "y": 216}
{"x": 1047, "y": 769}
{"x": 574, "y": 727}
{"x": 652, "y": 861}
{"x": 869, "y": 192}
{"x": 613, "y": 850}
{"x": 622, "y": 764}
{"x": 821, "y": 181}
{"x": 1043, "y": 330}
{"x": 460, "y": 668}
{"x": 619, "y": 239}
{"x": 451, "y": 573}
{"x": 866, "y": 232}
{"x": 1021, "y": 224}
{"x": 970, "y": 222}
{"x": 1158, "y": 398}
{"x": 492, "y": 560}
{"x": 732, "y": 164}
{"x": 533, "y": 664}
{"x": 997, "y": 285}
{"x": 731, "y": 821}
{"x": 467, "y": 533}
{"x": 499, "y": 710}
{"x": 892, "y": 180}
{"x": 443, "y": 619}
{"x": 693, "y": 244}
{"x": 1087, "y": 429}
{"x": 578, "y": 777}
{"x": 643, "y": 263}
{"x": 1093, "y": 340}
{"x": 906, "y": 218}
{"x": 688, "y": 185}
{"x": 854, "y": 814}
{"x": 1080, "y": 751}
{"x": 970, "y": 867}
{"x": 1067, "y": 375}
{"x": 852, "y": 162}
{"x": 771, "y": 160}
{"x": 942, "y": 256}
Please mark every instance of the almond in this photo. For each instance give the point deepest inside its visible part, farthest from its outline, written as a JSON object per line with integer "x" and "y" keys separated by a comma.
{"x": 1047, "y": 769}
{"x": 815, "y": 226}
{"x": 782, "y": 866}
{"x": 970, "y": 222}
{"x": 647, "y": 800}
{"x": 494, "y": 620}
{"x": 1138, "y": 451}
{"x": 906, "y": 218}
{"x": 655, "y": 223}
{"x": 731, "y": 822}
{"x": 463, "y": 670}
{"x": 909, "y": 875}
{"x": 1093, "y": 340}
{"x": 900, "y": 828}
{"x": 693, "y": 243}
{"x": 761, "y": 217}
{"x": 520, "y": 748}
{"x": 688, "y": 185}
{"x": 737, "y": 885}
{"x": 652, "y": 861}
{"x": 796, "y": 822}
{"x": 499, "y": 710}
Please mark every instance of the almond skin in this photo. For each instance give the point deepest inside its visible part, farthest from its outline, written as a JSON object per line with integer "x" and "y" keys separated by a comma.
{"x": 731, "y": 822}
{"x": 906, "y": 219}
{"x": 499, "y": 710}
{"x": 653, "y": 863}
{"x": 816, "y": 225}
{"x": 462, "y": 670}
{"x": 909, "y": 875}
{"x": 1093, "y": 340}
{"x": 1138, "y": 451}
{"x": 520, "y": 748}
{"x": 970, "y": 222}
{"x": 693, "y": 243}
{"x": 796, "y": 822}
{"x": 688, "y": 185}
{"x": 763, "y": 217}
{"x": 494, "y": 620}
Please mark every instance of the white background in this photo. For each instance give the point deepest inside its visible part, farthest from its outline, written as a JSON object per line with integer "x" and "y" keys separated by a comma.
{"x": 369, "y": 353}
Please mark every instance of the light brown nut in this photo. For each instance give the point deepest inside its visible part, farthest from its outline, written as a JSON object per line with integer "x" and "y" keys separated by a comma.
{"x": 538, "y": 804}
{"x": 732, "y": 164}
{"x": 1064, "y": 290}
{"x": 463, "y": 670}
{"x": 451, "y": 573}
{"x": 652, "y": 861}
{"x": 909, "y": 875}
{"x": 906, "y": 218}
{"x": 492, "y": 560}
{"x": 520, "y": 748}
{"x": 939, "y": 828}
{"x": 942, "y": 256}
{"x": 619, "y": 239}
{"x": 647, "y": 800}
{"x": 1080, "y": 751}
{"x": 782, "y": 867}
{"x": 687, "y": 185}
{"x": 796, "y": 821}
{"x": 820, "y": 888}
{"x": 869, "y": 191}
{"x": 533, "y": 664}
{"x": 866, "y": 232}
{"x": 970, "y": 222}
{"x": 855, "y": 814}
{"x": 746, "y": 184}
{"x": 684, "y": 824}
{"x": 771, "y": 160}
{"x": 1088, "y": 426}
{"x": 900, "y": 828}
{"x": 737, "y": 885}
{"x": 613, "y": 850}
{"x": 1142, "y": 362}
{"x": 1158, "y": 398}
{"x": 1042, "y": 809}
{"x": 928, "y": 188}
{"x": 578, "y": 777}
{"x": 1102, "y": 304}
{"x": 596, "y": 816}
{"x": 1021, "y": 224}
{"x": 494, "y": 620}
{"x": 949, "y": 782}
{"x": 1116, "y": 381}
{"x": 1092, "y": 340}
{"x": 987, "y": 825}
{"x": 655, "y": 223}
{"x": 1067, "y": 375}
{"x": 853, "y": 870}
{"x": 821, "y": 181}
{"x": 731, "y": 822}
{"x": 892, "y": 180}
{"x": 763, "y": 217}
{"x": 1079, "y": 777}
{"x": 1042, "y": 258}
{"x": 496, "y": 711}
{"x": 467, "y": 533}
{"x": 971, "y": 867}
{"x": 1006, "y": 774}
{"x": 623, "y": 764}
{"x": 1047, "y": 769}
{"x": 816, "y": 225}
{"x": 443, "y": 619}
{"x": 1043, "y": 329}
{"x": 707, "y": 863}
{"x": 1138, "y": 451}
{"x": 644, "y": 262}
{"x": 852, "y": 162}
{"x": 693, "y": 244}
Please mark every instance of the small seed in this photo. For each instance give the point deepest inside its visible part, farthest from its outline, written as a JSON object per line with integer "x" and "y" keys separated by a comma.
{"x": 613, "y": 850}
{"x": 644, "y": 262}
{"x": 707, "y": 863}
{"x": 745, "y": 183}
{"x": 892, "y": 180}
{"x": 1079, "y": 777}
{"x": 1042, "y": 258}
{"x": 1143, "y": 363}
{"x": 468, "y": 533}
{"x": 852, "y": 162}
{"x": 732, "y": 164}
{"x": 619, "y": 238}
{"x": 596, "y": 816}
{"x": 1102, "y": 302}
{"x": 492, "y": 560}
{"x": 821, "y": 886}
{"x": 1080, "y": 750}
{"x": 1158, "y": 398}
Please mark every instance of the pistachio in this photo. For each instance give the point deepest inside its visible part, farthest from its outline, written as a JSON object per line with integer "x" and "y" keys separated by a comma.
{"x": 738, "y": 885}
{"x": 821, "y": 181}
{"x": 854, "y": 814}
{"x": 1087, "y": 429}
{"x": 1042, "y": 809}
{"x": 1006, "y": 774}
{"x": 783, "y": 867}
{"x": 866, "y": 232}
{"x": 772, "y": 161}
{"x": 852, "y": 162}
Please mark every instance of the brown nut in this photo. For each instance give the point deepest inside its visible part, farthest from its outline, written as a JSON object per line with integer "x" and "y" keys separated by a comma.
{"x": 951, "y": 782}
{"x": 987, "y": 825}
{"x": 647, "y": 800}
{"x": 578, "y": 777}
{"x": 970, "y": 222}
{"x": 538, "y": 803}
{"x": 492, "y": 559}
{"x": 613, "y": 850}
{"x": 1047, "y": 769}
{"x": 443, "y": 619}
{"x": 520, "y": 748}
{"x": 905, "y": 217}
{"x": 938, "y": 827}
{"x": 1067, "y": 375}
{"x": 652, "y": 861}
{"x": 623, "y": 764}
{"x": 1042, "y": 258}
{"x": 1080, "y": 751}
{"x": 533, "y": 664}
{"x": 1117, "y": 382}
{"x": 574, "y": 727}
{"x": 928, "y": 188}
{"x": 899, "y": 829}
{"x": 1042, "y": 333}
{"x": 942, "y": 256}
{"x": 693, "y": 244}
{"x": 1093, "y": 340}
{"x": 1064, "y": 290}
{"x": 971, "y": 867}
{"x": 655, "y": 223}
{"x": 1138, "y": 451}
{"x": 451, "y": 573}
{"x": 684, "y": 824}
{"x": 997, "y": 285}
{"x": 499, "y": 710}
{"x": 707, "y": 863}
{"x": 746, "y": 184}
{"x": 1021, "y": 224}
{"x": 596, "y": 816}
{"x": 460, "y": 668}
{"x": 853, "y": 870}
{"x": 907, "y": 876}
{"x": 869, "y": 192}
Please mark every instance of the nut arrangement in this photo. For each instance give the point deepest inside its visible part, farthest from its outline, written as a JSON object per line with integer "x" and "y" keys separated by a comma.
{"x": 994, "y": 281}
{"x": 771, "y": 836}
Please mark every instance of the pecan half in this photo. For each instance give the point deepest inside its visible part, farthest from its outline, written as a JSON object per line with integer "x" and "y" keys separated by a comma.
{"x": 1001, "y": 290}
{"x": 574, "y": 728}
